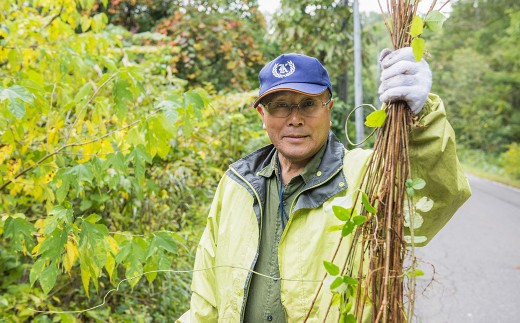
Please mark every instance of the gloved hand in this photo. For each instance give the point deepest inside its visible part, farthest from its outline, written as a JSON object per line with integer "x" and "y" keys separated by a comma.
{"x": 403, "y": 78}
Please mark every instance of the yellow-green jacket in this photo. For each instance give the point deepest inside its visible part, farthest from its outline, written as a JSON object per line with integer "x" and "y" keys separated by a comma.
{"x": 228, "y": 249}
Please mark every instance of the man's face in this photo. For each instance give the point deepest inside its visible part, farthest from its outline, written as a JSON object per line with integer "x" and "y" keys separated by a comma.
{"x": 296, "y": 137}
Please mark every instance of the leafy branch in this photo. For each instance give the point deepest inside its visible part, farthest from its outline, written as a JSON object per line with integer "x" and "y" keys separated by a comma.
{"x": 76, "y": 144}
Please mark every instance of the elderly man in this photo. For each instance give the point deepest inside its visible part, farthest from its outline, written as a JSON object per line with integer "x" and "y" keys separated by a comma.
{"x": 260, "y": 258}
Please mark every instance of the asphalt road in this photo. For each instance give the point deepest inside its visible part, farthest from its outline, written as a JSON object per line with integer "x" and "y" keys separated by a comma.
{"x": 476, "y": 257}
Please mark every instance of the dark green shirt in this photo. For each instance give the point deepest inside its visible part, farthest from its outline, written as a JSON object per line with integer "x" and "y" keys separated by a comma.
{"x": 263, "y": 302}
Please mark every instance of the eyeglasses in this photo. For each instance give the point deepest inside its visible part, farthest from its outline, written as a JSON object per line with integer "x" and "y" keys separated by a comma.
{"x": 307, "y": 107}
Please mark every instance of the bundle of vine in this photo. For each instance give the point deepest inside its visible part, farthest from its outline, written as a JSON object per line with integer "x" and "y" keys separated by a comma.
{"x": 378, "y": 242}
{"x": 382, "y": 237}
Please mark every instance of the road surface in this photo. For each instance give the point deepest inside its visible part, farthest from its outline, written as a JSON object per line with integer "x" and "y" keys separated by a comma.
{"x": 476, "y": 257}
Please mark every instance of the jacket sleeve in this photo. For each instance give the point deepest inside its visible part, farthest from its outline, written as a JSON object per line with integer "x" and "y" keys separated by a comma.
{"x": 433, "y": 157}
{"x": 203, "y": 304}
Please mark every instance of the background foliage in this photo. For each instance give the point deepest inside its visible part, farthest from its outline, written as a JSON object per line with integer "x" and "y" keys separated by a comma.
{"x": 118, "y": 117}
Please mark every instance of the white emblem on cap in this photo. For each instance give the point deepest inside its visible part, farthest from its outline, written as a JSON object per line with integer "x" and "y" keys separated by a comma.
{"x": 280, "y": 70}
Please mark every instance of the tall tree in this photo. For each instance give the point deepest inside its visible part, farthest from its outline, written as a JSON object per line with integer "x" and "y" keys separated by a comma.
{"x": 476, "y": 70}
{"x": 216, "y": 42}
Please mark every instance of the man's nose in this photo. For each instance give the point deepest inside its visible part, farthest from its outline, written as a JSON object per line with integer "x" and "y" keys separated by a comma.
{"x": 295, "y": 117}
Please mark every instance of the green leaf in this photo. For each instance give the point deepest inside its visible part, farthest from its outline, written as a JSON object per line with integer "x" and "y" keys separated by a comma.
{"x": 66, "y": 179}
{"x": 82, "y": 173}
{"x": 140, "y": 157}
{"x": 48, "y": 277}
{"x": 83, "y": 93}
{"x": 162, "y": 240}
{"x": 366, "y": 203}
{"x": 333, "y": 228}
{"x": 416, "y": 273}
{"x": 418, "y": 48}
{"x": 92, "y": 250}
{"x": 134, "y": 270}
{"x": 170, "y": 108}
{"x": 158, "y": 137}
{"x": 20, "y": 231}
{"x": 57, "y": 215}
{"x": 336, "y": 283}
{"x": 376, "y": 119}
{"x": 341, "y": 213}
{"x": 151, "y": 265}
{"x": 117, "y": 161}
{"x": 348, "y": 228}
{"x": 417, "y": 26}
{"x": 53, "y": 246}
{"x": 36, "y": 269}
{"x": 359, "y": 219}
{"x": 349, "y": 280}
{"x": 350, "y": 318}
{"x": 17, "y": 96}
{"x": 434, "y": 20}
{"x": 122, "y": 97}
{"x": 331, "y": 268}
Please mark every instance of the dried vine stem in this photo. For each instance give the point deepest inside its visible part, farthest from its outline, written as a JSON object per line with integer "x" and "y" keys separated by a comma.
{"x": 385, "y": 184}
{"x": 379, "y": 243}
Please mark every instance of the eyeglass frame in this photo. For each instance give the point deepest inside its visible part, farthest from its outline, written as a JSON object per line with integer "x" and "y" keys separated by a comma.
{"x": 266, "y": 106}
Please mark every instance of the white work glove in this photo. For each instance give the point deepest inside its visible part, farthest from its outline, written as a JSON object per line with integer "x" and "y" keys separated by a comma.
{"x": 403, "y": 78}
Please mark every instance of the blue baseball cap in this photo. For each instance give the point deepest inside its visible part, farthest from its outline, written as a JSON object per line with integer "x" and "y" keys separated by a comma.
{"x": 293, "y": 72}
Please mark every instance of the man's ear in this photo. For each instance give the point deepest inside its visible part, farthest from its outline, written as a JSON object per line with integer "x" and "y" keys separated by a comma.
{"x": 260, "y": 110}
{"x": 331, "y": 104}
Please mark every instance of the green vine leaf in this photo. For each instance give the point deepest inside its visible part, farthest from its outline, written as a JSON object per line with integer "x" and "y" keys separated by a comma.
{"x": 417, "y": 27}
{"x": 331, "y": 268}
{"x": 415, "y": 273}
{"x": 366, "y": 203}
{"x": 349, "y": 280}
{"x": 342, "y": 213}
{"x": 336, "y": 283}
{"x": 418, "y": 48}
{"x": 434, "y": 20}
{"x": 348, "y": 228}
{"x": 359, "y": 219}
{"x": 376, "y": 119}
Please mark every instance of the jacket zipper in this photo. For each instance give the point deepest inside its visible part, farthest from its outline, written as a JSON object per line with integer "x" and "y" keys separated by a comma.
{"x": 251, "y": 268}
{"x": 291, "y": 217}
{"x": 249, "y": 275}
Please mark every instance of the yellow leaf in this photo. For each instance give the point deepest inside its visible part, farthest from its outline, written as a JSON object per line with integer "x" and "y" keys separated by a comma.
{"x": 113, "y": 245}
{"x": 85, "y": 278}
{"x": 70, "y": 256}
{"x": 110, "y": 265}
{"x": 37, "y": 192}
{"x": 231, "y": 65}
{"x": 106, "y": 148}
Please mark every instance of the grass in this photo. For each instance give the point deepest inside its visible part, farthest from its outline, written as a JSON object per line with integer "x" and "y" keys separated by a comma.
{"x": 489, "y": 166}
{"x": 491, "y": 175}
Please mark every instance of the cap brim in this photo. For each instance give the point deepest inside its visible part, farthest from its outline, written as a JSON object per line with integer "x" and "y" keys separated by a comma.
{"x": 304, "y": 88}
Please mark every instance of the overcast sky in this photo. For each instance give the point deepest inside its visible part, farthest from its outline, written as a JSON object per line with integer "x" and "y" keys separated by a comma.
{"x": 268, "y": 6}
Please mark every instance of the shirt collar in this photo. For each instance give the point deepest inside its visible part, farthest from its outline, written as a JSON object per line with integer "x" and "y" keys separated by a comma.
{"x": 308, "y": 172}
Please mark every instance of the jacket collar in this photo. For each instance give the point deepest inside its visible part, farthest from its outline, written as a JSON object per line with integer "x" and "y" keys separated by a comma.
{"x": 250, "y": 166}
